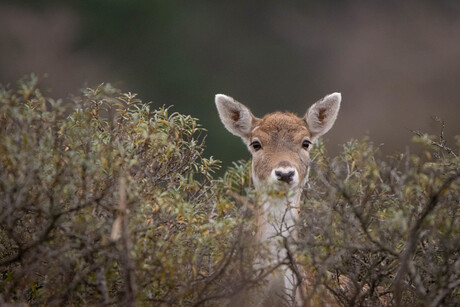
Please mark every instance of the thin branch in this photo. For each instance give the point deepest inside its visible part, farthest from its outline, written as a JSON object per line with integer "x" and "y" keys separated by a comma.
{"x": 412, "y": 239}
{"x": 441, "y": 144}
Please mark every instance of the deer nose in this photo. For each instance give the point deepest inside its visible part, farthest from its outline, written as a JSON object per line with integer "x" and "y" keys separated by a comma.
{"x": 286, "y": 176}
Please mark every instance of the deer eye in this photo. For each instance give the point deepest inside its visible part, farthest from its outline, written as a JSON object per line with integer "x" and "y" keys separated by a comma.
{"x": 256, "y": 145}
{"x": 306, "y": 144}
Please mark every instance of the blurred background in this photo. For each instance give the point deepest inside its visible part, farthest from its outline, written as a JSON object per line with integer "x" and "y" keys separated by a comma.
{"x": 396, "y": 63}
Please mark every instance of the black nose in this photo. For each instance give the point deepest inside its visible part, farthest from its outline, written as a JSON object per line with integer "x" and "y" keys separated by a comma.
{"x": 285, "y": 176}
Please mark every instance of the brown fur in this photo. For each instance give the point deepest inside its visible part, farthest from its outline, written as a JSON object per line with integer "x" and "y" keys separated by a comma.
{"x": 282, "y": 158}
{"x": 281, "y": 136}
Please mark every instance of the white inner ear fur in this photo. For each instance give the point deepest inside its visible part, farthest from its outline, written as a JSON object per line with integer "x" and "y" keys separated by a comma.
{"x": 235, "y": 116}
{"x": 322, "y": 114}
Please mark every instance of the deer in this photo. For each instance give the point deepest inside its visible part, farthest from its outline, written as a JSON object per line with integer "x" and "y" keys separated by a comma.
{"x": 280, "y": 145}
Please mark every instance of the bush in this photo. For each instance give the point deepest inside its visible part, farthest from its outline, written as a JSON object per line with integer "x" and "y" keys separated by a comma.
{"x": 390, "y": 226}
{"x": 107, "y": 202}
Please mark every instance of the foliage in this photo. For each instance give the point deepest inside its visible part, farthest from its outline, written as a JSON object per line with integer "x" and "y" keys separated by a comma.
{"x": 390, "y": 226}
{"x": 107, "y": 202}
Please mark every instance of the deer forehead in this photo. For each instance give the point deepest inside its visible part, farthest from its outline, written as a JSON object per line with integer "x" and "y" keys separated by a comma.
{"x": 280, "y": 129}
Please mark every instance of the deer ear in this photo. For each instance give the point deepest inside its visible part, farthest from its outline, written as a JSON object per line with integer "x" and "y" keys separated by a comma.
{"x": 322, "y": 114}
{"x": 235, "y": 116}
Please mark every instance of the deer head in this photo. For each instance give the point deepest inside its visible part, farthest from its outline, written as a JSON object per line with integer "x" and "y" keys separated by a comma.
{"x": 279, "y": 142}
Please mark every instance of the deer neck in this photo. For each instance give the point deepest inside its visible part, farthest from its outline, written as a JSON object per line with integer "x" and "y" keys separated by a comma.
{"x": 276, "y": 222}
{"x": 276, "y": 219}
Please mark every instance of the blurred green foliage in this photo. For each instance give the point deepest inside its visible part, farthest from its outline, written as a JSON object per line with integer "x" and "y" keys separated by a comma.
{"x": 182, "y": 53}
{"x": 272, "y": 55}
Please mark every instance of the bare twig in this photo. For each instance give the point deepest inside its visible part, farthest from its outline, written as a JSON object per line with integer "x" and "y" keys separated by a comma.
{"x": 412, "y": 238}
